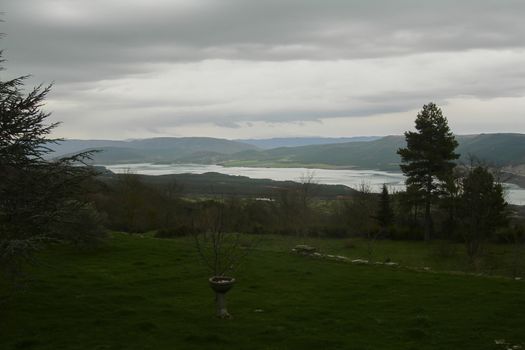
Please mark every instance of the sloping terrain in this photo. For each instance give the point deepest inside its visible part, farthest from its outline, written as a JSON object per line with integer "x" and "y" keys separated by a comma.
{"x": 165, "y": 149}
{"x": 228, "y": 185}
{"x": 277, "y": 142}
{"x": 494, "y": 149}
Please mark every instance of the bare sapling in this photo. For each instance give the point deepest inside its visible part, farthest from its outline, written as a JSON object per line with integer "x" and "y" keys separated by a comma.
{"x": 220, "y": 249}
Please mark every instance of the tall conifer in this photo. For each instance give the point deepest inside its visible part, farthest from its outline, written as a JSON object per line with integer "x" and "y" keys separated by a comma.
{"x": 429, "y": 156}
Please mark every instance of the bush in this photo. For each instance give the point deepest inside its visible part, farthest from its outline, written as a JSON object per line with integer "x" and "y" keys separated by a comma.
{"x": 175, "y": 232}
{"x": 257, "y": 229}
{"x": 511, "y": 235}
{"x": 332, "y": 232}
{"x": 403, "y": 233}
{"x": 349, "y": 244}
{"x": 84, "y": 226}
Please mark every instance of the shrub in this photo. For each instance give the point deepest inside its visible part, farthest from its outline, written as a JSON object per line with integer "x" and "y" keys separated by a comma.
{"x": 349, "y": 244}
{"x": 404, "y": 233}
{"x": 333, "y": 232}
{"x": 175, "y": 232}
{"x": 83, "y": 226}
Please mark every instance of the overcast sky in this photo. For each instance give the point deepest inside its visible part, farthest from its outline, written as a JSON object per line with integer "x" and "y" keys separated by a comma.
{"x": 273, "y": 68}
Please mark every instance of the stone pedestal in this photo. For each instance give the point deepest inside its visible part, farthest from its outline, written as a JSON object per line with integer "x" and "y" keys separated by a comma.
{"x": 221, "y": 285}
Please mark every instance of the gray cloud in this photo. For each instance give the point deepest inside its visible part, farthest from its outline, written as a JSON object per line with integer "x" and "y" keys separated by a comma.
{"x": 100, "y": 39}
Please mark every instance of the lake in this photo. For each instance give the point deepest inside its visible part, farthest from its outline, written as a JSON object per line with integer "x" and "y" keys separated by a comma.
{"x": 351, "y": 178}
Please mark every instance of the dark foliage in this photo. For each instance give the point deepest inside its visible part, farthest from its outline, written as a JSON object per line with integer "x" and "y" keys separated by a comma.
{"x": 482, "y": 209}
{"x": 384, "y": 214}
{"x": 428, "y": 158}
{"x": 175, "y": 232}
{"x": 40, "y": 200}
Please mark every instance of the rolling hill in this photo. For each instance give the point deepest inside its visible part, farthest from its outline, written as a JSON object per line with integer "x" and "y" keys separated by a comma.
{"x": 303, "y": 141}
{"x": 229, "y": 185}
{"x": 494, "y": 149}
{"x": 164, "y": 149}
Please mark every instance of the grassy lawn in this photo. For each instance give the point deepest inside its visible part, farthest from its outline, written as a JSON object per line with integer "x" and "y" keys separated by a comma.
{"x": 498, "y": 259}
{"x": 145, "y": 293}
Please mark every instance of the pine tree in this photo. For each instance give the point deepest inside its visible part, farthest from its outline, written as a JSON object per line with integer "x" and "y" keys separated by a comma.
{"x": 482, "y": 208}
{"x": 429, "y": 156}
{"x": 384, "y": 215}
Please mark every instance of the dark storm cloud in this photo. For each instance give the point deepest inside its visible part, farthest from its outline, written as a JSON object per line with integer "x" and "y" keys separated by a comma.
{"x": 84, "y": 40}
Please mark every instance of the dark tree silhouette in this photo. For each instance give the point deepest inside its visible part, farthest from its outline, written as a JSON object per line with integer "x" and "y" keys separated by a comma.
{"x": 40, "y": 199}
{"x": 385, "y": 214}
{"x": 428, "y": 158}
{"x": 482, "y": 209}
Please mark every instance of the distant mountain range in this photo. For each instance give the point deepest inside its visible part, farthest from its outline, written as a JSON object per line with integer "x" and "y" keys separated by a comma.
{"x": 303, "y": 141}
{"x": 494, "y": 149}
{"x": 368, "y": 153}
{"x": 161, "y": 149}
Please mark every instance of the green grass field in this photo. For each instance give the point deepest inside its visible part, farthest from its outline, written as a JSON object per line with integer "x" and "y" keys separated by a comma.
{"x": 145, "y": 293}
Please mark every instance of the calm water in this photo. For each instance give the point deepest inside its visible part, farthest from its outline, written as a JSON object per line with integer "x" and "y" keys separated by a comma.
{"x": 352, "y": 178}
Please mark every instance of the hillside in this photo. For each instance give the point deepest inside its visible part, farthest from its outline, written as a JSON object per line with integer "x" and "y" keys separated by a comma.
{"x": 229, "y": 185}
{"x": 277, "y": 142}
{"x": 164, "y": 149}
{"x": 495, "y": 149}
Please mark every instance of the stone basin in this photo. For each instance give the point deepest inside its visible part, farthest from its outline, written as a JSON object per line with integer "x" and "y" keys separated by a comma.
{"x": 221, "y": 284}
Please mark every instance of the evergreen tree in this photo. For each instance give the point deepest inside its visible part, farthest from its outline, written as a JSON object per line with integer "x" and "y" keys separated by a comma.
{"x": 482, "y": 209}
{"x": 449, "y": 203}
{"x": 384, "y": 215}
{"x": 428, "y": 158}
{"x": 40, "y": 199}
{"x": 410, "y": 202}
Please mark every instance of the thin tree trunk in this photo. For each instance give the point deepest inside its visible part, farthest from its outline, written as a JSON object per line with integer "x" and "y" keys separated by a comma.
{"x": 414, "y": 218}
{"x": 428, "y": 220}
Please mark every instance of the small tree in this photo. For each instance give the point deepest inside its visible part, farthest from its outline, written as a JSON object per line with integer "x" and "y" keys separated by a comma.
{"x": 515, "y": 236}
{"x": 132, "y": 194}
{"x": 384, "y": 215}
{"x": 482, "y": 209}
{"x": 288, "y": 209}
{"x": 305, "y": 193}
{"x": 410, "y": 202}
{"x": 450, "y": 201}
{"x": 220, "y": 249}
{"x": 361, "y": 216}
{"x": 428, "y": 158}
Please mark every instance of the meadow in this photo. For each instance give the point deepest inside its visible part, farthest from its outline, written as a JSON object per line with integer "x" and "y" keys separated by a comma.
{"x": 139, "y": 292}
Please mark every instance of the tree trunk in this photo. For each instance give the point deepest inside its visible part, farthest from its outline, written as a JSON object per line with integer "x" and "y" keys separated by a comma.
{"x": 414, "y": 218}
{"x": 429, "y": 227}
{"x": 220, "y": 302}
